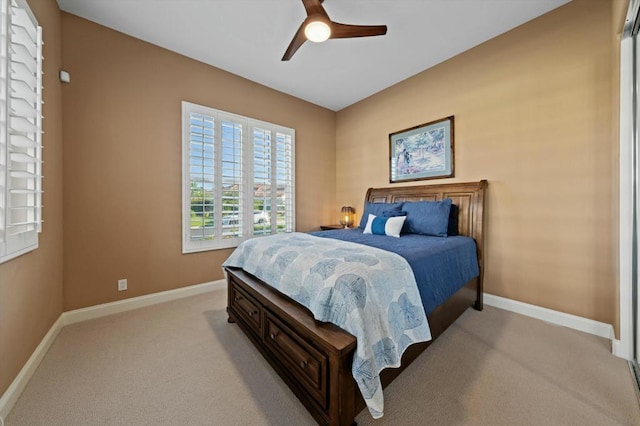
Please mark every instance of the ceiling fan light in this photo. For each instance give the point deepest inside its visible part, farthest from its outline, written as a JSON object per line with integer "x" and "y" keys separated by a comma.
{"x": 317, "y": 31}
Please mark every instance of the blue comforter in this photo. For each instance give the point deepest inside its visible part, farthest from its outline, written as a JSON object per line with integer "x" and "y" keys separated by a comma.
{"x": 441, "y": 265}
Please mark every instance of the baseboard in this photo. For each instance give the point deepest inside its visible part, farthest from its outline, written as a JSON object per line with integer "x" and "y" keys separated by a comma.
{"x": 12, "y": 394}
{"x": 97, "y": 311}
{"x": 555, "y": 317}
{"x": 620, "y": 350}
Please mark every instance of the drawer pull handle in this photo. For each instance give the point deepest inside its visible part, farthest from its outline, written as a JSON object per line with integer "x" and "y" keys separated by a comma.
{"x": 252, "y": 313}
{"x": 274, "y": 335}
{"x": 238, "y": 298}
{"x": 303, "y": 364}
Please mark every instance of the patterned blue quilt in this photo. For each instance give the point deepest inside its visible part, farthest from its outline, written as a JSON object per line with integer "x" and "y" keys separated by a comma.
{"x": 369, "y": 292}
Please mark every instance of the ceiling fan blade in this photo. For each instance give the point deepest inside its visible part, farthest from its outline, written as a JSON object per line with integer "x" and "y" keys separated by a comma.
{"x": 314, "y": 7}
{"x": 295, "y": 44}
{"x": 339, "y": 30}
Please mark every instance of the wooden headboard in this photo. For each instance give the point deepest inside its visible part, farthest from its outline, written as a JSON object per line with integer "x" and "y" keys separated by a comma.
{"x": 468, "y": 196}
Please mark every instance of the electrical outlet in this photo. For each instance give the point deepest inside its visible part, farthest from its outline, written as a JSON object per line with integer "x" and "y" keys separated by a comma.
{"x": 122, "y": 284}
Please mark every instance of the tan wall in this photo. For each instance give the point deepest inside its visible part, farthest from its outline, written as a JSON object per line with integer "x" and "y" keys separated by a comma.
{"x": 31, "y": 285}
{"x": 122, "y": 120}
{"x": 533, "y": 115}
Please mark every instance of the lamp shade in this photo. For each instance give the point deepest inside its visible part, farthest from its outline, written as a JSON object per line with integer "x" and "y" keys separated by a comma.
{"x": 347, "y": 216}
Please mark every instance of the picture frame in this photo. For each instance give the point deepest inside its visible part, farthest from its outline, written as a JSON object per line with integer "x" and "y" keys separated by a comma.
{"x": 422, "y": 152}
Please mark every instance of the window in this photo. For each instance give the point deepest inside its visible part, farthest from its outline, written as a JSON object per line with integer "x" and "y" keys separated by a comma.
{"x": 238, "y": 178}
{"x": 20, "y": 129}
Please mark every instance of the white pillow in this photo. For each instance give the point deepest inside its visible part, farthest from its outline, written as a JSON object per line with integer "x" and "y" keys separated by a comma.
{"x": 390, "y": 226}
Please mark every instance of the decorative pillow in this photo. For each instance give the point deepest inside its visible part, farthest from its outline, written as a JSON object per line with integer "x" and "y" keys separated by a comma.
{"x": 377, "y": 209}
{"x": 427, "y": 217}
{"x": 380, "y": 225}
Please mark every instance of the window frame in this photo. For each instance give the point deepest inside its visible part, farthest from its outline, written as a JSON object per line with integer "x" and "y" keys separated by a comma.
{"x": 246, "y": 198}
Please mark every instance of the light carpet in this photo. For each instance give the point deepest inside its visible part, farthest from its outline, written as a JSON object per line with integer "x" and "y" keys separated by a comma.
{"x": 181, "y": 363}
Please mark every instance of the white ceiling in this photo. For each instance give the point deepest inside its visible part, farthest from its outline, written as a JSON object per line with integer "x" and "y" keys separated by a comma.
{"x": 249, "y": 37}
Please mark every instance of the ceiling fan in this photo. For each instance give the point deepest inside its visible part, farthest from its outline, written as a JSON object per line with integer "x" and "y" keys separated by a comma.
{"x": 317, "y": 27}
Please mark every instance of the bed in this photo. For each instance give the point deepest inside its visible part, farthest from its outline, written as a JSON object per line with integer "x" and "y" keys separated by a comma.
{"x": 315, "y": 358}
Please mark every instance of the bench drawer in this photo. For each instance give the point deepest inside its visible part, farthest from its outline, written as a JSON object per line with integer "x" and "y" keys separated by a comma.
{"x": 249, "y": 309}
{"x": 302, "y": 360}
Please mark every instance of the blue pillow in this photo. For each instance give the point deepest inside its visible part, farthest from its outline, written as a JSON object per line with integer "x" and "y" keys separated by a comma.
{"x": 427, "y": 217}
{"x": 378, "y": 209}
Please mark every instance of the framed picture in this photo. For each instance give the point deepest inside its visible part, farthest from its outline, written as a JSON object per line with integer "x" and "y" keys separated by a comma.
{"x": 422, "y": 152}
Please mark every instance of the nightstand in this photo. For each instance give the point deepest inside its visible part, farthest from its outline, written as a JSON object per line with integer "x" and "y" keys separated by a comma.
{"x": 328, "y": 227}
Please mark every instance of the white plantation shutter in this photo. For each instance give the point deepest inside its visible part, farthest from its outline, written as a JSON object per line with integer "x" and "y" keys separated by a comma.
{"x": 200, "y": 172}
{"x": 262, "y": 192}
{"x": 273, "y": 191}
{"x": 238, "y": 179}
{"x": 284, "y": 179}
{"x": 231, "y": 186}
{"x": 21, "y": 130}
